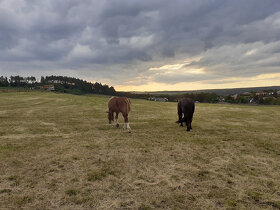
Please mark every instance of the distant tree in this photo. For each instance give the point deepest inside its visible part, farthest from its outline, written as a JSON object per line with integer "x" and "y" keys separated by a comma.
{"x": 4, "y": 81}
{"x": 277, "y": 101}
{"x": 242, "y": 100}
{"x": 31, "y": 80}
{"x": 16, "y": 81}
{"x": 229, "y": 99}
{"x": 269, "y": 101}
{"x": 261, "y": 100}
{"x": 42, "y": 80}
{"x": 275, "y": 93}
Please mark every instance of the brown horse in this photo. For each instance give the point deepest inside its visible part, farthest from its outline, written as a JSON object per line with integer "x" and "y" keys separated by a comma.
{"x": 119, "y": 104}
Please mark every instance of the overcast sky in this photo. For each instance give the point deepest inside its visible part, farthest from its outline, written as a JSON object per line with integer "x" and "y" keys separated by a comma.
{"x": 144, "y": 44}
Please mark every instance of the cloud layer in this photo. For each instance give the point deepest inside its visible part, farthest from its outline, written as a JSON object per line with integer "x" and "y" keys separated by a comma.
{"x": 123, "y": 42}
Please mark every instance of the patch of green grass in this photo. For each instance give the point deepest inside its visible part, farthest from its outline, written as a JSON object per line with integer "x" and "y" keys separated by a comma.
{"x": 256, "y": 196}
{"x": 13, "y": 178}
{"x": 101, "y": 174}
{"x": 71, "y": 192}
{"x": 53, "y": 185}
{"x": 17, "y": 163}
{"x": 5, "y": 191}
{"x": 82, "y": 200}
{"x": 23, "y": 200}
{"x": 144, "y": 207}
{"x": 75, "y": 158}
{"x": 232, "y": 203}
{"x": 275, "y": 204}
{"x": 9, "y": 147}
{"x": 74, "y": 180}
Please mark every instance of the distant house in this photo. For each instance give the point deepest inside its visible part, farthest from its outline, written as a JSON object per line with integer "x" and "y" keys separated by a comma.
{"x": 270, "y": 93}
{"x": 161, "y": 99}
{"x": 221, "y": 99}
{"x": 158, "y": 99}
{"x": 70, "y": 83}
{"x": 260, "y": 93}
{"x": 56, "y": 81}
{"x": 23, "y": 80}
{"x": 49, "y": 87}
{"x": 246, "y": 94}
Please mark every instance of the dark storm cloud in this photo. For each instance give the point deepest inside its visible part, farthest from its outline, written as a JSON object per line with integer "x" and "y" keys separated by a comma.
{"x": 86, "y": 36}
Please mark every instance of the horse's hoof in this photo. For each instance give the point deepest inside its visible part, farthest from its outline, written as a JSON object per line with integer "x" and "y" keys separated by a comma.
{"x": 117, "y": 125}
{"x": 188, "y": 130}
{"x": 181, "y": 125}
{"x": 129, "y": 131}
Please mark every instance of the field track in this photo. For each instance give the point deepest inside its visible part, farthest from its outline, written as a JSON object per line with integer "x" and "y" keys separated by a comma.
{"x": 57, "y": 151}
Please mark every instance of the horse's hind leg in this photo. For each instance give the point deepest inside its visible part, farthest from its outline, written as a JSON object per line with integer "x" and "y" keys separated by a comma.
{"x": 188, "y": 122}
{"x": 191, "y": 121}
{"x": 117, "y": 119}
{"x": 188, "y": 126}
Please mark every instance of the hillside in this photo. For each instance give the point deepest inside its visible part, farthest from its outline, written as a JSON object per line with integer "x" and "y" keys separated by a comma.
{"x": 57, "y": 151}
{"x": 217, "y": 91}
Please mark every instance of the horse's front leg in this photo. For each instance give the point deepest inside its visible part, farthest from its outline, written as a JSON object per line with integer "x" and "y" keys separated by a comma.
{"x": 126, "y": 123}
{"x": 110, "y": 116}
{"x": 188, "y": 122}
{"x": 117, "y": 120}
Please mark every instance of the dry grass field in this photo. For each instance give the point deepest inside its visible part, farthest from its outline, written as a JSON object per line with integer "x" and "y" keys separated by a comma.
{"x": 57, "y": 151}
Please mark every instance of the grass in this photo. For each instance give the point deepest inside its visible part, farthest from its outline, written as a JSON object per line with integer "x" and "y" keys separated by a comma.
{"x": 57, "y": 151}
{"x": 71, "y": 192}
{"x": 100, "y": 174}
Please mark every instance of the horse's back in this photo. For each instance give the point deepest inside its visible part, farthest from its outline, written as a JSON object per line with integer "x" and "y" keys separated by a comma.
{"x": 186, "y": 104}
{"x": 119, "y": 104}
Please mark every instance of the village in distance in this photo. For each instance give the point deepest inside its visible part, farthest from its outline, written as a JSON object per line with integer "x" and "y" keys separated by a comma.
{"x": 253, "y": 95}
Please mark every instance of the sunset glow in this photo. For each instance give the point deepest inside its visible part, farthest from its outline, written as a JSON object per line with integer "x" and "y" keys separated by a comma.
{"x": 144, "y": 45}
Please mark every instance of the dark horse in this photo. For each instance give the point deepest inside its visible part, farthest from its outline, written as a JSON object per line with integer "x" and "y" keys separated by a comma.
{"x": 186, "y": 107}
{"x": 119, "y": 104}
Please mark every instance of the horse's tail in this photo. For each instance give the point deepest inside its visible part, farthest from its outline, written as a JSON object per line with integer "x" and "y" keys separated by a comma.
{"x": 181, "y": 120}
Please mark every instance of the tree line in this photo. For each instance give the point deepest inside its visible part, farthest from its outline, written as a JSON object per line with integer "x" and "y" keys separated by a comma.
{"x": 61, "y": 84}
{"x": 267, "y": 97}
{"x": 200, "y": 97}
{"x": 77, "y": 86}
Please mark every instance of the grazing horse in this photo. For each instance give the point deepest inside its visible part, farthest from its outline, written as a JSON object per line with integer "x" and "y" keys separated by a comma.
{"x": 186, "y": 107}
{"x": 119, "y": 104}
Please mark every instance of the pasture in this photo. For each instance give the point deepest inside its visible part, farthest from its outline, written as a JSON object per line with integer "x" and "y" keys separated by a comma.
{"x": 57, "y": 151}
